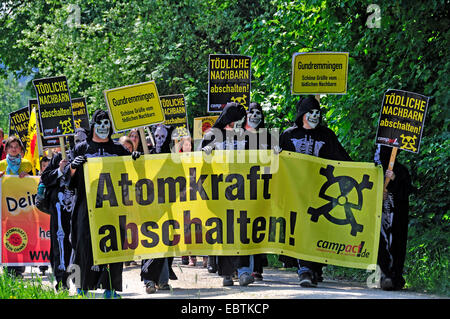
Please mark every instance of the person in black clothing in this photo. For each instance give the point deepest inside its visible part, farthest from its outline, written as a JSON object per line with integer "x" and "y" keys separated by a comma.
{"x": 250, "y": 268}
{"x": 156, "y": 272}
{"x": 311, "y": 138}
{"x": 56, "y": 178}
{"x": 97, "y": 144}
{"x": 217, "y": 138}
{"x": 394, "y": 221}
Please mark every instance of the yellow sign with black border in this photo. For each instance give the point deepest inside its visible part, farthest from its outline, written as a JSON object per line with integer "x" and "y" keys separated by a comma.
{"x": 319, "y": 73}
{"x": 134, "y": 106}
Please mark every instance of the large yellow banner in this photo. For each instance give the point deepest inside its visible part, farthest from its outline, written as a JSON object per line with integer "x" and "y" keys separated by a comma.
{"x": 234, "y": 203}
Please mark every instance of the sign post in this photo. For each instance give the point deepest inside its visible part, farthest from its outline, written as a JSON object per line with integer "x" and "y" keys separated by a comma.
{"x": 319, "y": 73}
{"x": 229, "y": 80}
{"x": 55, "y": 108}
{"x": 401, "y": 122}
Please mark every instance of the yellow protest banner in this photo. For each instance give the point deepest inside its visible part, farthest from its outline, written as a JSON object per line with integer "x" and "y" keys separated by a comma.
{"x": 319, "y": 72}
{"x": 134, "y": 106}
{"x": 234, "y": 203}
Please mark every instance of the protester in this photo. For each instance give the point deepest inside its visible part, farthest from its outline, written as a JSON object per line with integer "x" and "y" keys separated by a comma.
{"x": 127, "y": 143}
{"x": 97, "y": 144}
{"x": 136, "y": 140}
{"x": 183, "y": 146}
{"x": 15, "y": 164}
{"x": 311, "y": 138}
{"x": 250, "y": 268}
{"x": 56, "y": 178}
{"x": 394, "y": 220}
{"x": 217, "y": 138}
{"x": 156, "y": 272}
{"x": 43, "y": 164}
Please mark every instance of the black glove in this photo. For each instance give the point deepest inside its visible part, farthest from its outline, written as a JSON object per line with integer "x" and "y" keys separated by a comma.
{"x": 135, "y": 155}
{"x": 78, "y": 162}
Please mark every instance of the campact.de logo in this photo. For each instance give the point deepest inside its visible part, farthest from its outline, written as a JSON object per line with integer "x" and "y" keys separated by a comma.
{"x": 356, "y": 250}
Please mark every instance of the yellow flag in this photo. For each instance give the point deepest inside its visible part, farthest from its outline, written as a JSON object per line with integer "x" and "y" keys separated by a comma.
{"x": 32, "y": 152}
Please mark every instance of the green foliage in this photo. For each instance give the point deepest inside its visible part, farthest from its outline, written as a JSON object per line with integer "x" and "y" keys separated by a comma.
{"x": 12, "y": 287}
{"x": 408, "y": 52}
{"x": 13, "y": 96}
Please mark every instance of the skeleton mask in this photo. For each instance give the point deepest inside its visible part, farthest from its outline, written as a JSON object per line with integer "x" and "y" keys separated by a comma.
{"x": 160, "y": 137}
{"x": 80, "y": 136}
{"x": 313, "y": 118}
{"x": 101, "y": 128}
{"x": 254, "y": 117}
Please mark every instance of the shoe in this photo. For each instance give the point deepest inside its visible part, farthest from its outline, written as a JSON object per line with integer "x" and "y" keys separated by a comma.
{"x": 150, "y": 287}
{"x": 306, "y": 281}
{"x": 227, "y": 281}
{"x": 163, "y": 287}
{"x": 111, "y": 294}
{"x": 257, "y": 276}
{"x": 192, "y": 261}
{"x": 184, "y": 260}
{"x": 246, "y": 279}
{"x": 386, "y": 283}
{"x": 212, "y": 269}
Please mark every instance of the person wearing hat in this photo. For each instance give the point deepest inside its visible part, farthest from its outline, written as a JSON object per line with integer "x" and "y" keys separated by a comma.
{"x": 309, "y": 137}
{"x": 97, "y": 144}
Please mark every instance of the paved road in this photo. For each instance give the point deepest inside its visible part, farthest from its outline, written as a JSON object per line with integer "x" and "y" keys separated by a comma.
{"x": 197, "y": 283}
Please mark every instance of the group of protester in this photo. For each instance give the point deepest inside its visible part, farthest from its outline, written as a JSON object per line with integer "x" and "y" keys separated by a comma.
{"x": 70, "y": 235}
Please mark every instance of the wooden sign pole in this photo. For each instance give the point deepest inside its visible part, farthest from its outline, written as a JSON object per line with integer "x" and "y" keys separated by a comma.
{"x": 63, "y": 147}
{"x": 390, "y": 166}
{"x": 143, "y": 140}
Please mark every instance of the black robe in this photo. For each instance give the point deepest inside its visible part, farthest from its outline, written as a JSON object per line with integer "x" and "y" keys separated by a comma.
{"x": 394, "y": 222}
{"x": 151, "y": 269}
{"x": 320, "y": 142}
{"x": 92, "y": 277}
{"x": 217, "y": 138}
{"x": 62, "y": 199}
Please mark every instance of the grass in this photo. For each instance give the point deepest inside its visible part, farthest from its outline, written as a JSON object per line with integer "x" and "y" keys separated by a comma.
{"x": 12, "y": 287}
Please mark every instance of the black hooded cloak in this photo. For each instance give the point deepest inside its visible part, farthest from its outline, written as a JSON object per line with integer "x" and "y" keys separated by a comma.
{"x": 394, "y": 219}
{"x": 92, "y": 277}
{"x": 320, "y": 142}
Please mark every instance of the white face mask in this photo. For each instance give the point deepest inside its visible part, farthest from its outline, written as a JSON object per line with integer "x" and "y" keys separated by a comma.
{"x": 102, "y": 129}
{"x": 313, "y": 118}
{"x": 254, "y": 117}
{"x": 160, "y": 137}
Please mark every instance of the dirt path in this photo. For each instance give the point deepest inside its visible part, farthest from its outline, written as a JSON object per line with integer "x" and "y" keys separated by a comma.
{"x": 197, "y": 283}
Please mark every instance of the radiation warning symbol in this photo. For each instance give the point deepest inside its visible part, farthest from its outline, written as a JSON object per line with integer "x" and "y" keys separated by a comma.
{"x": 346, "y": 186}
{"x": 409, "y": 142}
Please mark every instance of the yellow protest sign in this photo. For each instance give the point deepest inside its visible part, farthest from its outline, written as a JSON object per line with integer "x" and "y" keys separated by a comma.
{"x": 234, "y": 203}
{"x": 134, "y": 106}
{"x": 202, "y": 125}
{"x": 319, "y": 72}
